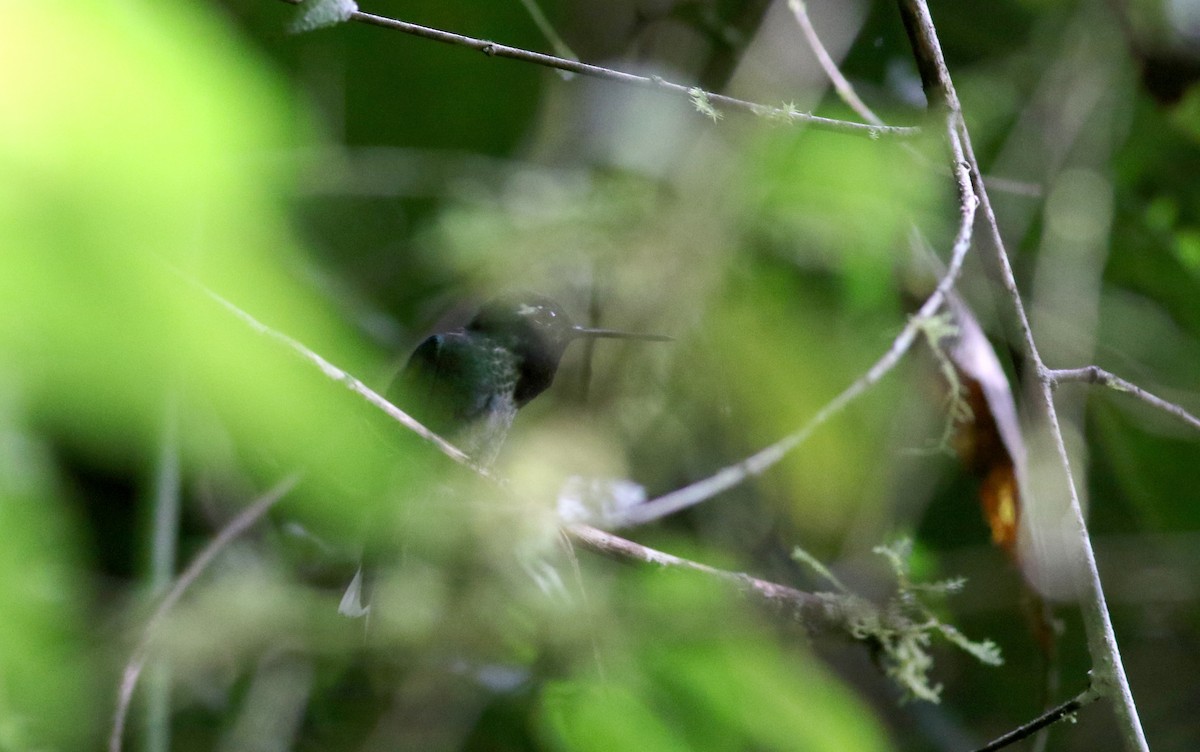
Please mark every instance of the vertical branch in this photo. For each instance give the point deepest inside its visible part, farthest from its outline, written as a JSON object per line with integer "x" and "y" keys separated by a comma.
{"x": 1109, "y": 676}
{"x": 164, "y": 535}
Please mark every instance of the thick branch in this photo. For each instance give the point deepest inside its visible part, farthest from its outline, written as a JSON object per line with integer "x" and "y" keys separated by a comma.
{"x": 492, "y": 49}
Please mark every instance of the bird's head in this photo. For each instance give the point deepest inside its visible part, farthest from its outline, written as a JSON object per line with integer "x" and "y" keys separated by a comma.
{"x": 537, "y": 330}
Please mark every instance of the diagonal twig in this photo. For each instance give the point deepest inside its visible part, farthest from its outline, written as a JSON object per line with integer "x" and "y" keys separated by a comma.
{"x": 1050, "y": 717}
{"x": 843, "y": 87}
{"x": 345, "y": 379}
{"x": 757, "y": 463}
{"x": 845, "y": 90}
{"x": 1097, "y": 375}
{"x": 539, "y": 19}
{"x": 137, "y": 660}
{"x": 816, "y": 612}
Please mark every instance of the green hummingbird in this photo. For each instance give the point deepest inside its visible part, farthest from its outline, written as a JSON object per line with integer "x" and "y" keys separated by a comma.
{"x": 467, "y": 384}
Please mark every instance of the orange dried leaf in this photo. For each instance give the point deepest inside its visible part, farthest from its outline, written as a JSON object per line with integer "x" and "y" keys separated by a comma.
{"x": 990, "y": 444}
{"x": 999, "y": 497}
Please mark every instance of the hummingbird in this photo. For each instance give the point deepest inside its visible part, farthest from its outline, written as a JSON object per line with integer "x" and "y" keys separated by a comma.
{"x": 467, "y": 384}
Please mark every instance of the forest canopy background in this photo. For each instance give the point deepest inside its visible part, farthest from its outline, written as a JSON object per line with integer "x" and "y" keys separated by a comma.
{"x": 355, "y": 188}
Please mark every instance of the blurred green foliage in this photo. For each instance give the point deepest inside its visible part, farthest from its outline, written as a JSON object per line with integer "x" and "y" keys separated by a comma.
{"x": 719, "y": 682}
{"x": 49, "y": 679}
{"x": 351, "y": 187}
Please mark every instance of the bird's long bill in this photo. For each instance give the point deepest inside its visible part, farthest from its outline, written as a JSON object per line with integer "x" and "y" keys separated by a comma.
{"x": 584, "y": 331}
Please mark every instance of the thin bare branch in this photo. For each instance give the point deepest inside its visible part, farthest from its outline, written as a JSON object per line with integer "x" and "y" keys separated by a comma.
{"x": 242, "y": 522}
{"x": 846, "y": 91}
{"x": 1050, "y": 717}
{"x": 1097, "y": 375}
{"x": 492, "y": 49}
{"x": 1108, "y": 670}
{"x": 756, "y": 464}
{"x": 843, "y": 87}
{"x": 348, "y": 381}
{"x": 816, "y": 612}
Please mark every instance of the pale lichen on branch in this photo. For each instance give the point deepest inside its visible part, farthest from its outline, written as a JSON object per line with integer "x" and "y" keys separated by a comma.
{"x": 902, "y": 629}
